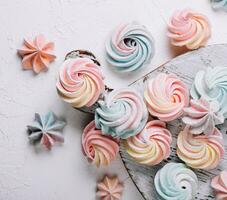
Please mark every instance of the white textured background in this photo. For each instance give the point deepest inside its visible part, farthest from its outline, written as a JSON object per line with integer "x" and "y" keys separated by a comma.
{"x": 63, "y": 174}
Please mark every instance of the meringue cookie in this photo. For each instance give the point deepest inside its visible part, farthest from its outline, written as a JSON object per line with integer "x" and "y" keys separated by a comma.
{"x": 37, "y": 54}
{"x": 130, "y": 47}
{"x": 211, "y": 85}
{"x": 121, "y": 114}
{"x": 80, "y": 82}
{"x": 110, "y": 188}
{"x": 189, "y": 28}
{"x": 200, "y": 151}
{"x": 176, "y": 182}
{"x": 46, "y": 129}
{"x": 166, "y": 96}
{"x": 219, "y": 184}
{"x": 202, "y": 116}
{"x": 151, "y": 145}
{"x": 98, "y": 148}
{"x": 219, "y": 4}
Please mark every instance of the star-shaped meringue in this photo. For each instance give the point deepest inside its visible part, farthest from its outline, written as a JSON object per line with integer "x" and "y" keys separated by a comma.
{"x": 110, "y": 188}
{"x": 37, "y": 54}
{"x": 46, "y": 130}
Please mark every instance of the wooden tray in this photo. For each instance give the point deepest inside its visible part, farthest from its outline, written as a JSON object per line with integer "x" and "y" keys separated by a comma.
{"x": 185, "y": 67}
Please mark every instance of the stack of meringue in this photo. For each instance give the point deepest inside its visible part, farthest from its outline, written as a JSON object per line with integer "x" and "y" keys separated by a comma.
{"x": 200, "y": 144}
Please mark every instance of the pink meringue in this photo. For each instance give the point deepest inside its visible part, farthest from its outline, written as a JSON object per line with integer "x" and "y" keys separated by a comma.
{"x": 151, "y": 145}
{"x": 200, "y": 151}
{"x": 166, "y": 96}
{"x": 202, "y": 116}
{"x": 99, "y": 149}
{"x": 189, "y": 28}
{"x": 80, "y": 82}
{"x": 219, "y": 184}
{"x": 110, "y": 189}
{"x": 37, "y": 54}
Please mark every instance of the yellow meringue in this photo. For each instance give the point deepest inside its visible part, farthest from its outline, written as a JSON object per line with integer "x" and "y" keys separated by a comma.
{"x": 200, "y": 151}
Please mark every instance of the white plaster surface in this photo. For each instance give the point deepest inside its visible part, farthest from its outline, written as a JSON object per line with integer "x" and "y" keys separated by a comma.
{"x": 27, "y": 172}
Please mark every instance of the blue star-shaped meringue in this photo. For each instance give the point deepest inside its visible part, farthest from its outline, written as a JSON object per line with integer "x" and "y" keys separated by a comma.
{"x": 46, "y": 129}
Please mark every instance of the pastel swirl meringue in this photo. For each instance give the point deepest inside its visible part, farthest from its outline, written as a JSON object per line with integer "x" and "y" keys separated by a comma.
{"x": 99, "y": 149}
{"x": 37, "y": 54}
{"x": 110, "y": 188}
{"x": 121, "y": 114}
{"x": 130, "y": 47}
{"x": 219, "y": 184}
{"x": 176, "y": 182}
{"x": 219, "y": 4}
{"x": 151, "y": 145}
{"x": 189, "y": 28}
{"x": 211, "y": 85}
{"x": 200, "y": 151}
{"x": 202, "y": 116}
{"x": 80, "y": 82}
{"x": 166, "y": 96}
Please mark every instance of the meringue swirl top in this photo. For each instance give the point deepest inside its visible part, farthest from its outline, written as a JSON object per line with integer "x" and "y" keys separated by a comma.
{"x": 189, "y": 28}
{"x": 211, "y": 85}
{"x": 151, "y": 145}
{"x": 98, "y": 148}
{"x": 176, "y": 182}
{"x": 219, "y": 4}
{"x": 37, "y": 54}
{"x": 122, "y": 113}
{"x": 219, "y": 184}
{"x": 166, "y": 96}
{"x": 130, "y": 47}
{"x": 200, "y": 151}
{"x": 202, "y": 116}
{"x": 80, "y": 82}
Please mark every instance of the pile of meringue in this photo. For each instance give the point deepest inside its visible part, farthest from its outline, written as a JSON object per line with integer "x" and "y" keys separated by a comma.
{"x": 138, "y": 118}
{"x": 129, "y": 48}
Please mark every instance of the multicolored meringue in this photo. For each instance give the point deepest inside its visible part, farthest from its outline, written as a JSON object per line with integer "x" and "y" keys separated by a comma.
{"x": 202, "y": 116}
{"x": 219, "y": 184}
{"x": 80, "y": 82}
{"x": 110, "y": 188}
{"x": 130, "y": 47}
{"x": 122, "y": 113}
{"x": 37, "y": 54}
{"x": 176, "y": 182}
{"x": 189, "y": 28}
{"x": 151, "y": 145}
{"x": 200, "y": 151}
{"x": 211, "y": 85}
{"x": 46, "y": 130}
{"x": 166, "y": 96}
{"x": 219, "y": 4}
{"x": 98, "y": 148}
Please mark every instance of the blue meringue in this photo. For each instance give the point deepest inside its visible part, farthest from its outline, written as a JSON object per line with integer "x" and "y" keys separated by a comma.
{"x": 219, "y": 4}
{"x": 176, "y": 182}
{"x": 121, "y": 114}
{"x": 46, "y": 129}
{"x": 211, "y": 85}
{"x": 130, "y": 47}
